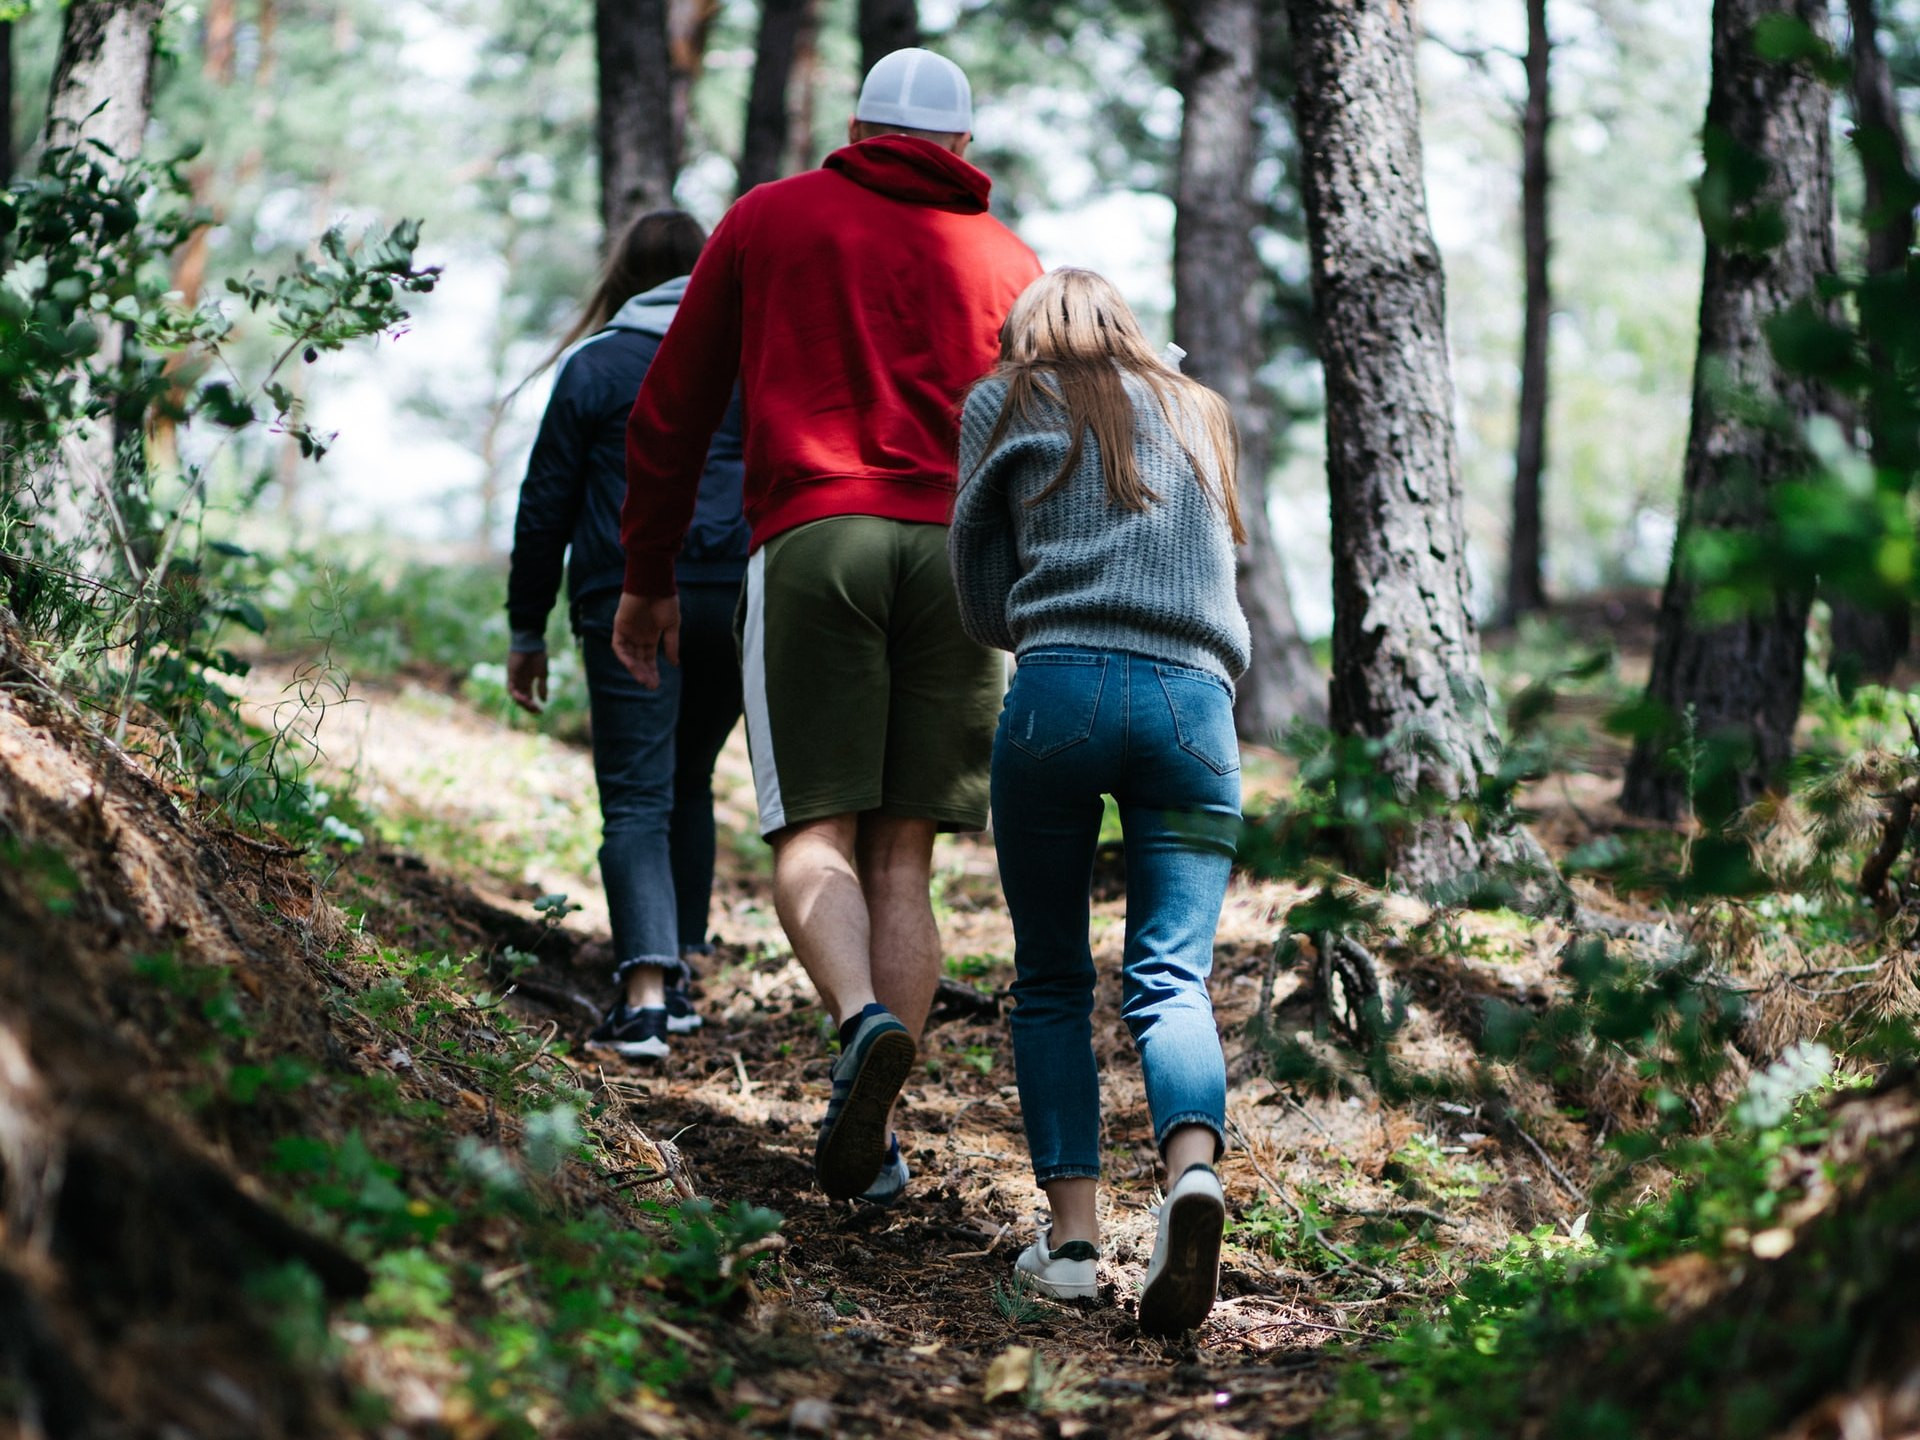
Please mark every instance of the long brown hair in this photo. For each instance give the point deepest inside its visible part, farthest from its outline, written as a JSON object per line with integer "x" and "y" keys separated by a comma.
{"x": 1071, "y": 339}
{"x": 653, "y": 249}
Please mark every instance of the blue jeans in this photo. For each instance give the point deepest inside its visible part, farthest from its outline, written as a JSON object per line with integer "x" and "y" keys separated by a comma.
{"x": 653, "y": 757}
{"x": 1159, "y": 738}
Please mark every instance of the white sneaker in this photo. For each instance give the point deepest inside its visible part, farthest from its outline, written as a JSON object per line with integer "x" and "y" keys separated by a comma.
{"x": 1068, "y": 1273}
{"x": 1184, "y": 1275}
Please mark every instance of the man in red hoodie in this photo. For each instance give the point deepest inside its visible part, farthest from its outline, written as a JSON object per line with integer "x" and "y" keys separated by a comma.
{"x": 855, "y": 304}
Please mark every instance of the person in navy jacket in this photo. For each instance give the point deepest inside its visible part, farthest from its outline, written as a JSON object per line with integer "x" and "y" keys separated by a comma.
{"x": 653, "y": 749}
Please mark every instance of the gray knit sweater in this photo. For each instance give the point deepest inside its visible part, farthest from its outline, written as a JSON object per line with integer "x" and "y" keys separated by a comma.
{"x": 1074, "y": 570}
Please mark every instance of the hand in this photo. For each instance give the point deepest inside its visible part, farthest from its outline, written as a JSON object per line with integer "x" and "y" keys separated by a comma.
{"x": 527, "y": 680}
{"x": 643, "y": 625}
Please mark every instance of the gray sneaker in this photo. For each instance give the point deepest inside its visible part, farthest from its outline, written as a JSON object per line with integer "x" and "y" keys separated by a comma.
{"x": 866, "y": 1081}
{"x": 891, "y": 1183}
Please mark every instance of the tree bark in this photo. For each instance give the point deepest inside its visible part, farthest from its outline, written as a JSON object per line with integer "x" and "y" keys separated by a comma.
{"x": 1216, "y": 321}
{"x": 102, "y": 95}
{"x": 105, "y": 66}
{"x": 689, "y": 29}
{"x": 1525, "y": 591}
{"x": 636, "y": 133}
{"x": 1406, "y": 656}
{"x": 6, "y": 101}
{"x": 1868, "y": 643}
{"x": 803, "y": 84}
{"x": 886, "y": 26}
{"x": 783, "y": 27}
{"x": 1738, "y": 683}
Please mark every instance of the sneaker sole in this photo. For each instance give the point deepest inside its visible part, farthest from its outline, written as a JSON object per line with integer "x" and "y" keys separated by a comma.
{"x": 851, "y": 1153}
{"x": 1184, "y": 1290}
{"x": 1060, "y": 1290}
{"x": 633, "y": 1049}
{"x": 684, "y": 1025}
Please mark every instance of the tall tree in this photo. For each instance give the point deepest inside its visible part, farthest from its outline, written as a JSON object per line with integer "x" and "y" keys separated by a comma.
{"x": 1767, "y": 210}
{"x": 689, "y": 29}
{"x": 886, "y": 26}
{"x": 6, "y": 101}
{"x": 1216, "y": 321}
{"x": 785, "y": 33}
{"x": 1406, "y": 656}
{"x": 636, "y": 133}
{"x": 103, "y": 78}
{"x": 1867, "y": 642}
{"x": 1525, "y": 591}
{"x": 102, "y": 92}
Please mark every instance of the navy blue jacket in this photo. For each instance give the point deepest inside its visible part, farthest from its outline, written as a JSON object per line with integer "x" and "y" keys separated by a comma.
{"x": 577, "y": 476}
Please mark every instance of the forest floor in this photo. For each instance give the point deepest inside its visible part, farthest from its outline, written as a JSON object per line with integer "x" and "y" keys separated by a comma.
{"x": 912, "y": 1305}
{"x": 312, "y": 1145}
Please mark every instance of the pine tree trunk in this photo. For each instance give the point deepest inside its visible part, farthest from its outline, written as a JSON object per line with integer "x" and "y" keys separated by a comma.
{"x": 105, "y": 66}
{"x": 1739, "y": 683}
{"x": 886, "y": 26}
{"x": 1525, "y": 590}
{"x": 1216, "y": 321}
{"x": 783, "y": 27}
{"x": 103, "y": 92}
{"x": 636, "y": 110}
{"x": 689, "y": 30}
{"x": 1406, "y": 657}
{"x": 190, "y": 261}
{"x": 6, "y": 101}
{"x": 1868, "y": 643}
{"x": 803, "y": 83}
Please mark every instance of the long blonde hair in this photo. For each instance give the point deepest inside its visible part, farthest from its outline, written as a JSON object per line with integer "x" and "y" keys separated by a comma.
{"x": 1071, "y": 339}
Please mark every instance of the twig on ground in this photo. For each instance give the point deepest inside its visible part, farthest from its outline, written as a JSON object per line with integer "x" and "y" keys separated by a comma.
{"x": 629, "y": 1179}
{"x": 1893, "y": 837}
{"x": 764, "y": 1245}
{"x": 1384, "y": 1277}
{"x": 1307, "y": 1115}
{"x": 1560, "y": 1177}
{"x": 284, "y": 852}
{"x": 990, "y": 1246}
{"x": 1404, "y": 1212}
{"x": 675, "y": 1167}
{"x": 740, "y": 1068}
{"x": 553, "y": 1030}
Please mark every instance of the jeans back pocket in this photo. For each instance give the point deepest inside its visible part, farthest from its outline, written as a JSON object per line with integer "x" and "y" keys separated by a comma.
{"x": 1054, "y": 700}
{"x": 1202, "y": 717}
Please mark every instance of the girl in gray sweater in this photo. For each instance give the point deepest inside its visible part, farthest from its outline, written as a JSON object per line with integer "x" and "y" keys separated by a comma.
{"x": 1094, "y": 536}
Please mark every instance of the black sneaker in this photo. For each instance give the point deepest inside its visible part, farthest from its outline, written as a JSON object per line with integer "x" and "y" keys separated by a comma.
{"x": 682, "y": 1018}
{"x": 635, "y": 1034}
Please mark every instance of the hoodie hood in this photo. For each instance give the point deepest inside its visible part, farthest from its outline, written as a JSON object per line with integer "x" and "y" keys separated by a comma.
{"x": 651, "y": 311}
{"x": 905, "y": 167}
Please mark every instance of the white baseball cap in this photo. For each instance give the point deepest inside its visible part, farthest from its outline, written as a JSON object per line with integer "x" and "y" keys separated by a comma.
{"x": 919, "y": 90}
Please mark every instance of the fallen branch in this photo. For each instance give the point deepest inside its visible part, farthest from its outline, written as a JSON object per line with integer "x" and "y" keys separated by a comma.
{"x": 1573, "y": 1191}
{"x": 764, "y": 1245}
{"x": 1893, "y": 838}
{"x": 1347, "y": 1261}
{"x": 1404, "y": 1212}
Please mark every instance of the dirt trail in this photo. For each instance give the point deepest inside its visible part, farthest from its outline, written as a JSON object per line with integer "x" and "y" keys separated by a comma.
{"x": 913, "y": 1304}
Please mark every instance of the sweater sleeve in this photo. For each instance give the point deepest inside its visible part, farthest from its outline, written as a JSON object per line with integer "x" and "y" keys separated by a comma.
{"x": 981, "y": 547}
{"x": 679, "y": 406}
{"x": 550, "y": 499}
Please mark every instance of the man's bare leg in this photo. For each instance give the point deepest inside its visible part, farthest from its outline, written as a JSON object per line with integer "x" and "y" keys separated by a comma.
{"x": 894, "y": 857}
{"x": 817, "y": 894}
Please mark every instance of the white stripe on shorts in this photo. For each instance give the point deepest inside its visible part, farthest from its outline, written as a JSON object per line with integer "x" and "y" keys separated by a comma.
{"x": 753, "y": 679}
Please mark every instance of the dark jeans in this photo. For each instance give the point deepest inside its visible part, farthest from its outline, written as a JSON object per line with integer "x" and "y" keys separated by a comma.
{"x": 1159, "y": 738}
{"x": 653, "y": 757}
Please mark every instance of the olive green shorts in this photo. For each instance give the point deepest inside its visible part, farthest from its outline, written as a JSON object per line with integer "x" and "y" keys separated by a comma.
{"x": 862, "y": 691}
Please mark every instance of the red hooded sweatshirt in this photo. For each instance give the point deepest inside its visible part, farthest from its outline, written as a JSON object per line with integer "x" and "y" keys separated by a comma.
{"x": 855, "y": 303}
